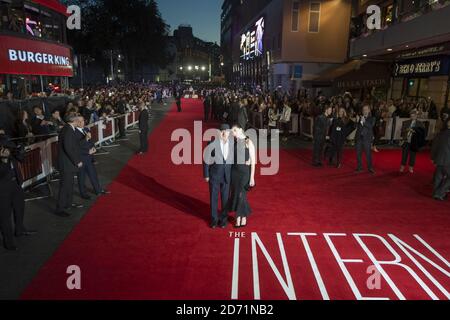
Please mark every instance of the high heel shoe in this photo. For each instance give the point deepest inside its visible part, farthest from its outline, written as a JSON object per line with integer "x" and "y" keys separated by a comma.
{"x": 238, "y": 223}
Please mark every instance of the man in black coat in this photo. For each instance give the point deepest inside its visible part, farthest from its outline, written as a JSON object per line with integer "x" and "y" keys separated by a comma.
{"x": 440, "y": 155}
{"x": 144, "y": 117}
{"x": 87, "y": 157}
{"x": 121, "y": 110}
{"x": 242, "y": 117}
{"x": 234, "y": 111}
{"x": 69, "y": 163}
{"x": 320, "y": 132}
{"x": 178, "y": 101}
{"x": 364, "y": 138}
{"x": 217, "y": 172}
{"x": 12, "y": 197}
{"x": 207, "y": 107}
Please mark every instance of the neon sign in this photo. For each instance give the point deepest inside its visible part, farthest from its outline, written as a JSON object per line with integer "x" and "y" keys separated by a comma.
{"x": 252, "y": 41}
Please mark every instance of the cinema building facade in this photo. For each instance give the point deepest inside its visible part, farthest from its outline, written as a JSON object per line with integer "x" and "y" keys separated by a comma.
{"x": 282, "y": 43}
{"x": 414, "y": 41}
{"x": 34, "y": 55}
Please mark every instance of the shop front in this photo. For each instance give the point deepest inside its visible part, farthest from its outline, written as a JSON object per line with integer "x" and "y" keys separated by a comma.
{"x": 425, "y": 77}
{"x": 29, "y": 66}
{"x": 360, "y": 78}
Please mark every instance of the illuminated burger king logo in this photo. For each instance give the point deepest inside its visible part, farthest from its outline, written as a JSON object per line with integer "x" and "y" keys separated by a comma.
{"x": 38, "y": 57}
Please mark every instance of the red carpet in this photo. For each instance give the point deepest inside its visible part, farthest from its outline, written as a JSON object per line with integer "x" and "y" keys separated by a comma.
{"x": 150, "y": 239}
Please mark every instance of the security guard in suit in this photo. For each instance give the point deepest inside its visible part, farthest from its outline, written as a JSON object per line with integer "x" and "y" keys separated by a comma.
{"x": 12, "y": 197}
{"x": 364, "y": 138}
{"x": 144, "y": 117}
{"x": 88, "y": 169}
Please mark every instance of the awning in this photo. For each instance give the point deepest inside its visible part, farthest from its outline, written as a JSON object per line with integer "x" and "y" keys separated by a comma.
{"x": 356, "y": 74}
{"x": 337, "y": 72}
{"x": 53, "y": 4}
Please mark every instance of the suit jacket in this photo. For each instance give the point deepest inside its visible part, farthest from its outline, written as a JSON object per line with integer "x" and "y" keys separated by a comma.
{"x": 407, "y": 124}
{"x": 143, "y": 120}
{"x": 215, "y": 167}
{"x": 440, "y": 153}
{"x": 7, "y": 173}
{"x": 242, "y": 118}
{"x": 207, "y": 104}
{"x": 365, "y": 132}
{"x": 69, "y": 152}
{"x": 320, "y": 127}
{"x": 85, "y": 146}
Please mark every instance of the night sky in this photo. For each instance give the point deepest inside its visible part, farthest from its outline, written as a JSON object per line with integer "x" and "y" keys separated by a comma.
{"x": 202, "y": 15}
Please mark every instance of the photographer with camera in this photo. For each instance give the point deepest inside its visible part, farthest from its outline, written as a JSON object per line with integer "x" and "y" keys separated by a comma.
{"x": 12, "y": 197}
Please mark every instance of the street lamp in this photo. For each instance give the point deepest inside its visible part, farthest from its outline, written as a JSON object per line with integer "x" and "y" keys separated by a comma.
{"x": 203, "y": 68}
{"x": 196, "y": 67}
{"x": 190, "y": 68}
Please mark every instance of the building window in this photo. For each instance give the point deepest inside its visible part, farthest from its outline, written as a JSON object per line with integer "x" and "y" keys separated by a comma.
{"x": 295, "y": 15}
{"x": 314, "y": 17}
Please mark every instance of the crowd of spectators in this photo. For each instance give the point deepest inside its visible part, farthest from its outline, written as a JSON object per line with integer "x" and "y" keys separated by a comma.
{"x": 277, "y": 107}
{"x": 93, "y": 103}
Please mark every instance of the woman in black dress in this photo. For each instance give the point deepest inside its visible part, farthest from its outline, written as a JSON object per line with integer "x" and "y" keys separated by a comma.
{"x": 341, "y": 128}
{"x": 242, "y": 176}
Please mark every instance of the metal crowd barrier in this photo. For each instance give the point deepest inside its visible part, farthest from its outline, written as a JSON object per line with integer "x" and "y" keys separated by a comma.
{"x": 256, "y": 120}
{"x": 392, "y": 128}
{"x": 40, "y": 160}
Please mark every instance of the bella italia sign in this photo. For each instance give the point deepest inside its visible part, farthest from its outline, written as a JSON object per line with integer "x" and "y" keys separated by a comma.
{"x": 430, "y": 66}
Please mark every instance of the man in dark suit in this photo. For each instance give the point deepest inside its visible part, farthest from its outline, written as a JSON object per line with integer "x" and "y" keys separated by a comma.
{"x": 234, "y": 111}
{"x": 69, "y": 163}
{"x": 217, "y": 172}
{"x": 440, "y": 155}
{"x": 207, "y": 107}
{"x": 364, "y": 138}
{"x": 178, "y": 101}
{"x": 320, "y": 132}
{"x": 121, "y": 110}
{"x": 144, "y": 117}
{"x": 242, "y": 116}
{"x": 12, "y": 197}
{"x": 87, "y": 157}
{"x": 409, "y": 129}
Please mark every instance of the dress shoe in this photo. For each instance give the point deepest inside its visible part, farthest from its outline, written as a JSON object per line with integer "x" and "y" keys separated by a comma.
{"x": 359, "y": 170}
{"x": 62, "y": 214}
{"x": 213, "y": 225}
{"x": 85, "y": 197}
{"x": 223, "y": 224}
{"x": 77, "y": 206}
{"x": 26, "y": 233}
{"x": 104, "y": 192}
{"x": 317, "y": 165}
{"x": 372, "y": 171}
